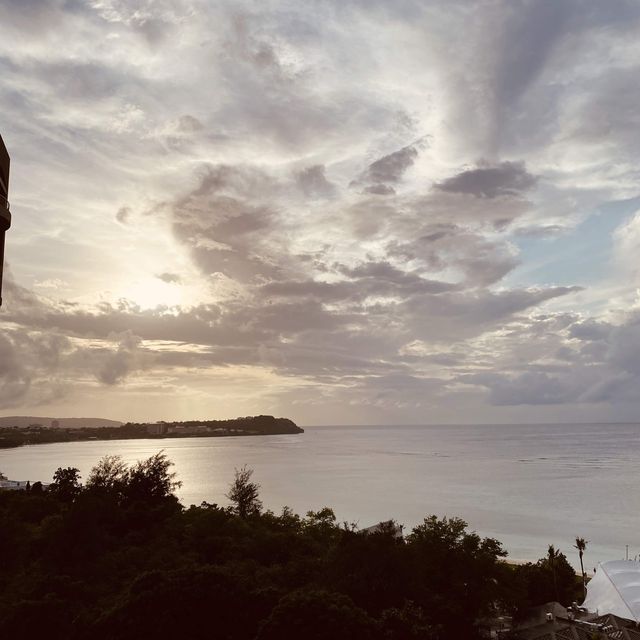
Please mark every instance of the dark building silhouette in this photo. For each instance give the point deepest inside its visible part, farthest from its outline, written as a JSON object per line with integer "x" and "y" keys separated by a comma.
{"x": 5, "y": 215}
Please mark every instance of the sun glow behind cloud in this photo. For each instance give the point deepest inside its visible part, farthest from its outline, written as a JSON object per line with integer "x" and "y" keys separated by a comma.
{"x": 151, "y": 292}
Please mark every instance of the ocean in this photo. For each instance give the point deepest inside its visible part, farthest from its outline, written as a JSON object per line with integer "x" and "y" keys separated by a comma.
{"x": 527, "y": 485}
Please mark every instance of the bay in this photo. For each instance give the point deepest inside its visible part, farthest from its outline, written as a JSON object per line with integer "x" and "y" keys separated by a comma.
{"x": 527, "y": 485}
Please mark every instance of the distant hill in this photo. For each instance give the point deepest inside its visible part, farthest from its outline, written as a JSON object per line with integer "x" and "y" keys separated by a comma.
{"x": 249, "y": 425}
{"x": 25, "y": 421}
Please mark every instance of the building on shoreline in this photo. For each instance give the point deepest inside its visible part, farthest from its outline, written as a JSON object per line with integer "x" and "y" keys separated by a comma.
{"x": 157, "y": 429}
{"x": 5, "y": 214}
{"x": 18, "y": 485}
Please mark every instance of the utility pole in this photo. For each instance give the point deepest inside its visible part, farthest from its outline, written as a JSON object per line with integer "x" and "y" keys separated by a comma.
{"x": 5, "y": 214}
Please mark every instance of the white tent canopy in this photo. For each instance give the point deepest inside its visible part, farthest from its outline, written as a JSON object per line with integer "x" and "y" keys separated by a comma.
{"x": 615, "y": 589}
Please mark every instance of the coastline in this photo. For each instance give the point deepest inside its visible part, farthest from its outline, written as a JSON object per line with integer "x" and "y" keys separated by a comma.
{"x": 14, "y": 437}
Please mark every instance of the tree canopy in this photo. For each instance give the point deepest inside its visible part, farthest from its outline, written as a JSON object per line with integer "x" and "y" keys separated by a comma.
{"x": 120, "y": 558}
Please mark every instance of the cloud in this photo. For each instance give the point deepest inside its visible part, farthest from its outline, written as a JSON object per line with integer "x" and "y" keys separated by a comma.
{"x": 505, "y": 179}
{"x": 352, "y": 227}
{"x": 313, "y": 182}
{"x": 123, "y": 215}
{"x": 29, "y": 366}
{"x": 119, "y": 363}
{"x": 169, "y": 278}
{"x": 529, "y": 388}
{"x": 14, "y": 380}
{"x": 388, "y": 170}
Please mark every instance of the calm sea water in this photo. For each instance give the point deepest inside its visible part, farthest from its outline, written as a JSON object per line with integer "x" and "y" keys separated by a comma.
{"x": 527, "y": 485}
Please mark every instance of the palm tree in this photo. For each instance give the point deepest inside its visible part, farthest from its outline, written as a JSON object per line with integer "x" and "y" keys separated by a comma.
{"x": 581, "y": 545}
{"x": 552, "y": 556}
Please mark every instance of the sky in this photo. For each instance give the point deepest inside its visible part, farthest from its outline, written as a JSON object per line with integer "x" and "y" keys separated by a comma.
{"x": 341, "y": 212}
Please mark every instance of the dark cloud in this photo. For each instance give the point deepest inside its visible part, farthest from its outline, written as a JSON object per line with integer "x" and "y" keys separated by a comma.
{"x": 532, "y": 30}
{"x": 476, "y": 260}
{"x": 14, "y": 379}
{"x": 624, "y": 346}
{"x": 37, "y": 15}
{"x": 459, "y": 315}
{"x": 189, "y": 124}
{"x": 367, "y": 281}
{"x": 118, "y": 364}
{"x": 123, "y": 214}
{"x": 505, "y": 179}
{"x": 29, "y": 365}
{"x": 590, "y": 330}
{"x": 391, "y": 168}
{"x": 228, "y": 225}
{"x": 313, "y": 182}
{"x": 380, "y": 175}
{"x": 169, "y": 278}
{"x": 380, "y": 189}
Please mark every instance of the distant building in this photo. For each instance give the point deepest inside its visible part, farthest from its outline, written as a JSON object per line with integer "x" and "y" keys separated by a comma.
{"x": 5, "y": 214}
{"x": 13, "y": 485}
{"x": 387, "y": 526}
{"x": 18, "y": 485}
{"x": 190, "y": 430}
{"x": 157, "y": 429}
{"x": 55, "y": 424}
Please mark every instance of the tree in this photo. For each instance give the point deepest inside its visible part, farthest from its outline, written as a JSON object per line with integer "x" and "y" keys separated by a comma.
{"x": 109, "y": 475}
{"x": 195, "y": 603}
{"x": 581, "y": 545}
{"x": 66, "y": 484}
{"x": 551, "y": 578}
{"x": 456, "y": 572}
{"x": 321, "y": 524}
{"x": 407, "y": 623}
{"x": 552, "y": 557}
{"x": 244, "y": 493}
{"x": 316, "y": 615}
{"x": 151, "y": 479}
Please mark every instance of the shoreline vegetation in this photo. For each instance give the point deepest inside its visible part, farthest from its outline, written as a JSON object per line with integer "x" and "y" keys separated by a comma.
{"x": 116, "y": 556}
{"x": 17, "y": 436}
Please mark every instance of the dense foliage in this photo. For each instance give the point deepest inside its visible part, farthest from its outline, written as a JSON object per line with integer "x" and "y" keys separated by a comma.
{"x": 18, "y": 436}
{"x": 120, "y": 558}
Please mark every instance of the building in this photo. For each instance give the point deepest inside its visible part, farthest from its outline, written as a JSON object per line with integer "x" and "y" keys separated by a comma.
{"x": 611, "y": 610}
{"x": 18, "y": 485}
{"x": 615, "y": 589}
{"x": 5, "y": 214}
{"x": 553, "y": 622}
{"x": 157, "y": 429}
{"x": 388, "y": 526}
{"x": 14, "y": 485}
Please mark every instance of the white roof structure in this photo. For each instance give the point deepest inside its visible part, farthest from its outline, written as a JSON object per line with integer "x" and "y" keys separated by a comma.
{"x": 615, "y": 589}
